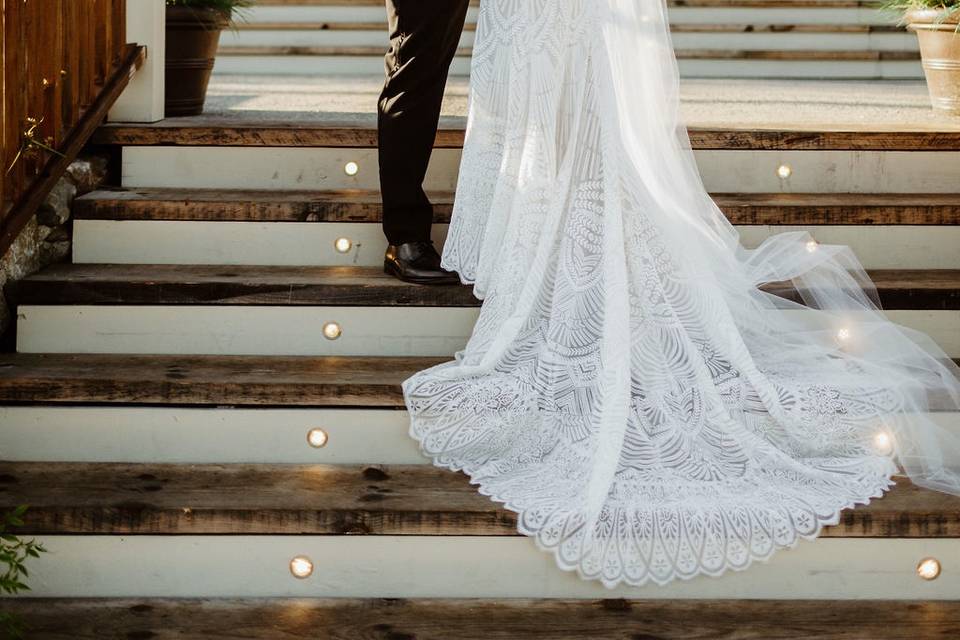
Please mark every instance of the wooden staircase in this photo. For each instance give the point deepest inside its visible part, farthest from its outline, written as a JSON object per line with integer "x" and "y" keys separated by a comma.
{"x": 159, "y": 413}
{"x": 714, "y": 38}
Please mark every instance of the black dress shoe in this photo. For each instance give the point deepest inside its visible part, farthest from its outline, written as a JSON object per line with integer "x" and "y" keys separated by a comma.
{"x": 417, "y": 262}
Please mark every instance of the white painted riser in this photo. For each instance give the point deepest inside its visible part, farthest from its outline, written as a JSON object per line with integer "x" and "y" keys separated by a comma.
{"x": 459, "y": 567}
{"x": 369, "y": 65}
{"x": 311, "y": 243}
{"x": 722, "y": 171}
{"x": 678, "y": 15}
{"x": 244, "y": 330}
{"x": 788, "y": 41}
{"x": 219, "y": 435}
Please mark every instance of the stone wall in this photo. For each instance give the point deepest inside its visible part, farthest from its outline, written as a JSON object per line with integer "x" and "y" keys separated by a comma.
{"x": 46, "y": 239}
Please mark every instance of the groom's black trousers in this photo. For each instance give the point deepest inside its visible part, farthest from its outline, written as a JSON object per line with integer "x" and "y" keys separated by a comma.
{"x": 424, "y": 35}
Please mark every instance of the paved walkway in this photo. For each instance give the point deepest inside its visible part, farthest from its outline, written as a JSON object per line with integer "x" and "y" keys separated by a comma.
{"x": 755, "y": 104}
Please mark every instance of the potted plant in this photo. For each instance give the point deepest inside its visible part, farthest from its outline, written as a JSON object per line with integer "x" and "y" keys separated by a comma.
{"x": 937, "y": 25}
{"x": 193, "y": 34}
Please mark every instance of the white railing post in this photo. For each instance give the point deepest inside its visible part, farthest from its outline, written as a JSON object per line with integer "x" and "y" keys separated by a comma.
{"x": 142, "y": 101}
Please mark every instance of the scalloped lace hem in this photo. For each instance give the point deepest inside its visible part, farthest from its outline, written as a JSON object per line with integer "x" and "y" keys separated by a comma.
{"x": 850, "y": 502}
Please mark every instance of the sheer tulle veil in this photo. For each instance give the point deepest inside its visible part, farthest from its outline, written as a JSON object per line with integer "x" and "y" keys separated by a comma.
{"x": 654, "y": 400}
{"x": 828, "y": 278}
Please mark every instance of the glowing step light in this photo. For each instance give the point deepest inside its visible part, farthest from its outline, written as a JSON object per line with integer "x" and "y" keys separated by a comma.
{"x": 929, "y": 569}
{"x": 351, "y": 168}
{"x": 784, "y": 171}
{"x": 301, "y": 567}
{"x": 883, "y": 443}
{"x": 343, "y": 245}
{"x": 332, "y": 331}
{"x": 317, "y": 438}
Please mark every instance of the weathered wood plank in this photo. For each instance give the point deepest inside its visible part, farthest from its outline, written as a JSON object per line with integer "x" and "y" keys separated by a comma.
{"x": 479, "y": 619}
{"x": 349, "y": 205}
{"x": 766, "y": 27}
{"x": 115, "y": 498}
{"x": 935, "y": 289}
{"x": 216, "y": 284}
{"x": 290, "y": 381}
{"x": 357, "y": 205}
{"x": 824, "y": 55}
{"x": 777, "y": 4}
{"x": 331, "y": 131}
{"x": 207, "y": 380}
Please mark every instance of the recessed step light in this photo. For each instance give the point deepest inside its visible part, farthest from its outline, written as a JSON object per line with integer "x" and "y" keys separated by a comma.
{"x": 343, "y": 245}
{"x": 301, "y": 567}
{"x": 332, "y": 331}
{"x": 784, "y": 171}
{"x": 351, "y": 168}
{"x": 929, "y": 569}
{"x": 317, "y": 438}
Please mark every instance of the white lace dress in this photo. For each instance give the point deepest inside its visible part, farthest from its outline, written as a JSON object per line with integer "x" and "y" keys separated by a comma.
{"x": 631, "y": 390}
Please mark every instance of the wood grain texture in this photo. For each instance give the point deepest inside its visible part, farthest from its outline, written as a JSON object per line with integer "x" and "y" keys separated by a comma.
{"x": 933, "y": 289}
{"x": 207, "y": 380}
{"x": 334, "y": 131}
{"x": 757, "y": 27}
{"x": 483, "y": 619}
{"x": 285, "y": 499}
{"x": 285, "y": 381}
{"x": 230, "y": 205}
{"x": 32, "y": 193}
{"x": 776, "y": 4}
{"x": 357, "y": 205}
{"x": 216, "y": 284}
{"x": 821, "y": 55}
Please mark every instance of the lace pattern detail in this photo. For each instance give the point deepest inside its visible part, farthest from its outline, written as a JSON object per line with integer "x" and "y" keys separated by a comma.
{"x": 628, "y": 390}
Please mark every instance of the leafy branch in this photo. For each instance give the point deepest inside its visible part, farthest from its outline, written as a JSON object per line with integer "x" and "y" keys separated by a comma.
{"x": 13, "y": 554}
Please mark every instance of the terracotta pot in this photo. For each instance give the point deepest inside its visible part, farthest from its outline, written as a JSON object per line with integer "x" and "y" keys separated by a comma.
{"x": 192, "y": 39}
{"x": 940, "y": 50}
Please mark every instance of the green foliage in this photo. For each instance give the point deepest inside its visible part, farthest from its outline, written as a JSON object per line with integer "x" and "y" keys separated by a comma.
{"x": 227, "y": 6}
{"x": 899, "y": 8}
{"x": 13, "y": 556}
{"x": 233, "y": 9}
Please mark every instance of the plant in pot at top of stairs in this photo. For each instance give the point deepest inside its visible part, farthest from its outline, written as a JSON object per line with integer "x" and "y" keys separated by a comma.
{"x": 937, "y": 24}
{"x": 193, "y": 34}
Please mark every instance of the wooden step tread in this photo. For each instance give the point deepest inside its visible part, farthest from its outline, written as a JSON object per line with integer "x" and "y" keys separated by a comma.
{"x": 207, "y": 380}
{"x": 678, "y": 27}
{"x": 281, "y": 381}
{"x": 336, "y": 130}
{"x": 123, "y": 498}
{"x": 357, "y": 205}
{"x": 776, "y": 4}
{"x": 353, "y": 286}
{"x": 485, "y": 619}
{"x": 816, "y": 55}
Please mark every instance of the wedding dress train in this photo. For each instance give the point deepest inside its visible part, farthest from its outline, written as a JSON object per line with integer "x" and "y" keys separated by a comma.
{"x": 633, "y": 389}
